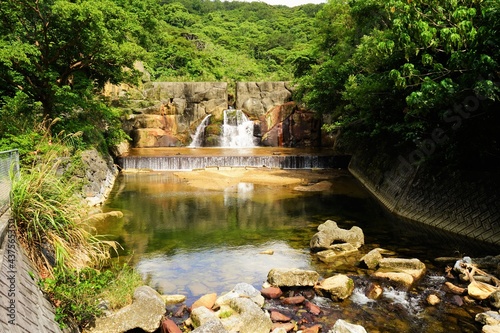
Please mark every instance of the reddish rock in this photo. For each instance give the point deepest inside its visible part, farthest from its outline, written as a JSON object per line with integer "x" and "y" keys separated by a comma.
{"x": 278, "y": 316}
{"x": 313, "y": 329}
{"x": 313, "y": 308}
{"x": 294, "y": 300}
{"x": 271, "y": 292}
{"x": 207, "y": 301}
{"x": 169, "y": 326}
{"x": 287, "y": 326}
{"x": 180, "y": 312}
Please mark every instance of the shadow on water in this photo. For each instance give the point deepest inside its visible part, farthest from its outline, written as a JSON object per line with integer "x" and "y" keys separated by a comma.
{"x": 186, "y": 240}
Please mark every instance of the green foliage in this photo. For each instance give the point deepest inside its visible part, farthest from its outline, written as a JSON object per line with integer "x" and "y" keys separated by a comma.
{"x": 397, "y": 70}
{"x": 78, "y": 293}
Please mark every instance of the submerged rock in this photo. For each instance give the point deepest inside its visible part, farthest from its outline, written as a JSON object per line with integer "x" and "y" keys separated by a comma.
{"x": 329, "y": 233}
{"x": 404, "y": 272}
{"x": 241, "y": 290}
{"x": 371, "y": 259}
{"x": 285, "y": 277}
{"x": 335, "y": 251}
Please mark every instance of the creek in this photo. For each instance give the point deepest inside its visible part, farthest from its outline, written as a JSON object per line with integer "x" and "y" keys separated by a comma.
{"x": 193, "y": 238}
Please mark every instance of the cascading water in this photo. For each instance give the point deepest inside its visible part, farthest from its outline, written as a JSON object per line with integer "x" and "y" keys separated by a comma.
{"x": 237, "y": 130}
{"x": 199, "y": 134}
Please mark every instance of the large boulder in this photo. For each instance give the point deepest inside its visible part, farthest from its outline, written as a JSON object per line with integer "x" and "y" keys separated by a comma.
{"x": 338, "y": 287}
{"x": 241, "y": 290}
{"x": 329, "y": 233}
{"x": 256, "y": 98}
{"x": 404, "y": 272}
{"x": 248, "y": 317}
{"x": 284, "y": 277}
{"x": 144, "y": 313}
{"x": 371, "y": 259}
{"x": 335, "y": 251}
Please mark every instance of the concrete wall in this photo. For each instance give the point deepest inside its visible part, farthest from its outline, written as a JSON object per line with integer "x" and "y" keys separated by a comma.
{"x": 441, "y": 200}
{"x": 23, "y": 307}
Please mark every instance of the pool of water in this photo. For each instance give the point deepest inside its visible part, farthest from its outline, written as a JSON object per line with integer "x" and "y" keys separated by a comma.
{"x": 189, "y": 240}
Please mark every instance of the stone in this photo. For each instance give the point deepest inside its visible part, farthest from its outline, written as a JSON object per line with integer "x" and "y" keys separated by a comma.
{"x": 329, "y": 233}
{"x": 278, "y": 316}
{"x": 338, "y": 287}
{"x": 212, "y": 326}
{"x": 294, "y": 300}
{"x": 271, "y": 292}
{"x": 371, "y": 259}
{"x": 491, "y": 329}
{"x": 145, "y": 312}
{"x": 283, "y": 277}
{"x": 374, "y": 291}
{"x": 454, "y": 289}
{"x": 457, "y": 300}
{"x": 433, "y": 299}
{"x": 317, "y": 187}
{"x": 404, "y": 272}
{"x": 285, "y": 326}
{"x": 313, "y": 308}
{"x": 313, "y": 329}
{"x": 342, "y": 326}
{"x": 488, "y": 318}
{"x": 279, "y": 330}
{"x": 173, "y": 299}
{"x": 335, "y": 251}
{"x": 207, "y": 301}
{"x": 202, "y": 315}
{"x": 241, "y": 290}
{"x": 248, "y": 317}
{"x": 480, "y": 290}
{"x": 169, "y": 326}
{"x": 494, "y": 299}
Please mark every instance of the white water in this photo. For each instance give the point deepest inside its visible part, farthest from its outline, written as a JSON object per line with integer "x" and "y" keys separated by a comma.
{"x": 237, "y": 130}
{"x": 198, "y": 135}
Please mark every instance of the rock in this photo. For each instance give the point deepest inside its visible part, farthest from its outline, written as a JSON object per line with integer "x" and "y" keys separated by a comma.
{"x": 145, "y": 312}
{"x": 313, "y": 329}
{"x": 457, "y": 300}
{"x": 169, "y": 326}
{"x": 271, "y": 292}
{"x": 491, "y": 329}
{"x": 371, "y": 259}
{"x": 432, "y": 299}
{"x": 454, "y": 289}
{"x": 213, "y": 326}
{"x": 278, "y": 316}
{"x": 99, "y": 175}
{"x": 95, "y": 218}
{"x": 202, "y": 315}
{"x": 338, "y": 287}
{"x": 286, "y": 326}
{"x": 317, "y": 187}
{"x": 269, "y": 252}
{"x": 374, "y": 291}
{"x": 256, "y": 98}
{"x": 294, "y": 300}
{"x": 242, "y": 290}
{"x": 207, "y": 301}
{"x": 335, "y": 251}
{"x": 488, "y": 318}
{"x": 494, "y": 299}
{"x": 462, "y": 262}
{"x": 404, "y": 272}
{"x": 313, "y": 308}
{"x": 173, "y": 299}
{"x": 329, "y": 232}
{"x": 248, "y": 317}
{"x": 480, "y": 290}
{"x": 342, "y": 326}
{"x": 279, "y": 330}
{"x": 283, "y": 277}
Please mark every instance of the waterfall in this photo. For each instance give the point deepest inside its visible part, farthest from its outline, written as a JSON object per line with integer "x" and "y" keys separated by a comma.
{"x": 237, "y": 130}
{"x": 199, "y": 134}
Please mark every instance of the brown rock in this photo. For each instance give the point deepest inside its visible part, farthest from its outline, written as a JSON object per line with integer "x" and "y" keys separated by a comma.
{"x": 271, "y": 292}
{"x": 374, "y": 291}
{"x": 278, "y": 316}
{"x": 207, "y": 301}
{"x": 454, "y": 289}
{"x": 457, "y": 300}
{"x": 313, "y": 308}
{"x": 169, "y": 326}
{"x": 287, "y": 326}
{"x": 433, "y": 299}
{"x": 313, "y": 329}
{"x": 294, "y": 300}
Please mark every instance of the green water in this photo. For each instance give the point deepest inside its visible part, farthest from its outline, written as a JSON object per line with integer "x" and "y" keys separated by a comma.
{"x": 185, "y": 240}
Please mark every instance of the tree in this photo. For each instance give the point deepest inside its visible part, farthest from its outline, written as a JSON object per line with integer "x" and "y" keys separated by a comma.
{"x": 55, "y": 51}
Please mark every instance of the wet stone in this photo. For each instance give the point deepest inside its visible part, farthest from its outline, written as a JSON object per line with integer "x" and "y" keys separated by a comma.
{"x": 294, "y": 300}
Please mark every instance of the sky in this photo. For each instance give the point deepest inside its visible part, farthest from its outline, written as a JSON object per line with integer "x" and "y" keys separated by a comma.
{"x": 290, "y": 3}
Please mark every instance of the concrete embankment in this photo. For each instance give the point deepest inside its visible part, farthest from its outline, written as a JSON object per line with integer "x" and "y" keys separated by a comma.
{"x": 441, "y": 200}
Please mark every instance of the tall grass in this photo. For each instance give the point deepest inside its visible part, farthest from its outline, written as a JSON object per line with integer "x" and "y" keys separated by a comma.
{"x": 48, "y": 216}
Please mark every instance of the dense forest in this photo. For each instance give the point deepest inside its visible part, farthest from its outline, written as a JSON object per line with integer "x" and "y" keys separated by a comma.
{"x": 403, "y": 73}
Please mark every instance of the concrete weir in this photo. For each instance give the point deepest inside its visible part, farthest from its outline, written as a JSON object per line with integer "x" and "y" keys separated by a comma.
{"x": 199, "y": 158}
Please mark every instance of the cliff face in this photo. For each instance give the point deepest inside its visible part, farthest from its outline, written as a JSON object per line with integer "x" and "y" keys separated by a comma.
{"x": 164, "y": 114}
